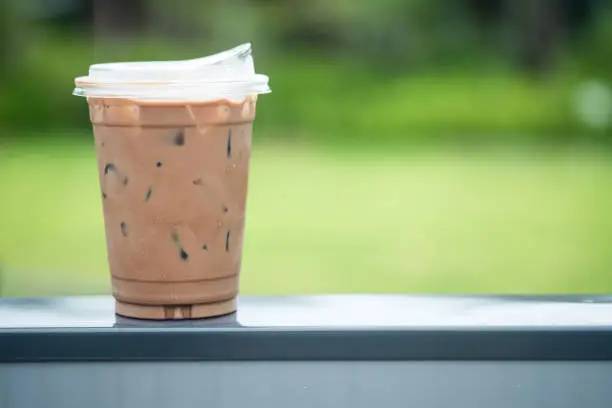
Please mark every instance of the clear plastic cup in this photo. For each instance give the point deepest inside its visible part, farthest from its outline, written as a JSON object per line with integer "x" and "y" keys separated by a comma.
{"x": 174, "y": 142}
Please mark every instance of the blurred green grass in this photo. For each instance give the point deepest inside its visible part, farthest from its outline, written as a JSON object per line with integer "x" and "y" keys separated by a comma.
{"x": 336, "y": 220}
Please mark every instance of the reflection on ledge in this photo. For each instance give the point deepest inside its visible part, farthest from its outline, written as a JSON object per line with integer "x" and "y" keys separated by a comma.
{"x": 227, "y": 321}
{"x": 330, "y": 311}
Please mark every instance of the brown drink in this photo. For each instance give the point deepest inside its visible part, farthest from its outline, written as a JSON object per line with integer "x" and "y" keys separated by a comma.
{"x": 173, "y": 176}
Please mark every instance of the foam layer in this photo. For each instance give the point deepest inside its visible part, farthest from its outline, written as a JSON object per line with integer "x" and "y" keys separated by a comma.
{"x": 226, "y": 75}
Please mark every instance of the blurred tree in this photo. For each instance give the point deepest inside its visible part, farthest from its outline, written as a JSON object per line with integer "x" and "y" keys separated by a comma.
{"x": 542, "y": 27}
{"x": 178, "y": 20}
{"x": 312, "y": 24}
{"x": 540, "y": 31}
{"x": 117, "y": 18}
{"x": 593, "y": 46}
{"x": 65, "y": 14}
{"x": 579, "y": 13}
{"x": 486, "y": 11}
{"x": 9, "y": 38}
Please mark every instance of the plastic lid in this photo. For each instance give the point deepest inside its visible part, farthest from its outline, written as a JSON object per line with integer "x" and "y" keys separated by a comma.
{"x": 227, "y": 75}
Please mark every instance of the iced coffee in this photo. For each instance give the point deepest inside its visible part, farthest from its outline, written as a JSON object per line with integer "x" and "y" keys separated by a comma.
{"x": 173, "y": 160}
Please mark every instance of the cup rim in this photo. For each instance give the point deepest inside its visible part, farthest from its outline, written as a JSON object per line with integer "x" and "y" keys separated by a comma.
{"x": 87, "y": 87}
{"x": 256, "y": 79}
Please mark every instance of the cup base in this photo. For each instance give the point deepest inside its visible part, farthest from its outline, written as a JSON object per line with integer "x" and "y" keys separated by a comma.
{"x": 175, "y": 312}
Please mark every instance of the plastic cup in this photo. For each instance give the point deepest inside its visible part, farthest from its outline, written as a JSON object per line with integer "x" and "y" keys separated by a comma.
{"x": 173, "y": 141}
